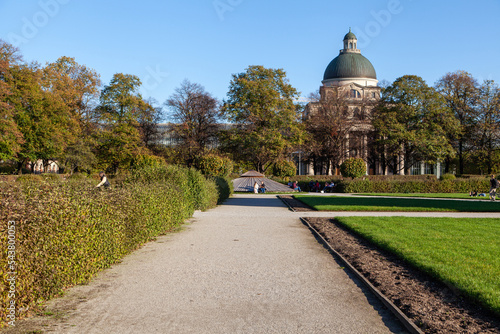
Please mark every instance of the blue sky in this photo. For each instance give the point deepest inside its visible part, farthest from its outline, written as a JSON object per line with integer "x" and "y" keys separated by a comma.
{"x": 205, "y": 41}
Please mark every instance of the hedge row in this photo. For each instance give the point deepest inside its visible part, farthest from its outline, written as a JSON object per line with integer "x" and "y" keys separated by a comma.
{"x": 66, "y": 231}
{"x": 225, "y": 188}
{"x": 414, "y": 186}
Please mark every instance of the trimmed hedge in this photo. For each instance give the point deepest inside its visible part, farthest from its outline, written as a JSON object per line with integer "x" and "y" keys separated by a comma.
{"x": 414, "y": 186}
{"x": 67, "y": 231}
{"x": 225, "y": 188}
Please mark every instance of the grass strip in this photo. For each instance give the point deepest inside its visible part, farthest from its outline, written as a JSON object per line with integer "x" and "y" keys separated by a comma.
{"x": 463, "y": 252}
{"x": 354, "y": 203}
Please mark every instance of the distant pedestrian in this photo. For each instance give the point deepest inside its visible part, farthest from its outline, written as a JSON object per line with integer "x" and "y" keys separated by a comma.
{"x": 317, "y": 186}
{"x": 328, "y": 187}
{"x": 295, "y": 186}
{"x": 263, "y": 187}
{"x": 494, "y": 184}
{"x": 255, "y": 188}
{"x": 104, "y": 181}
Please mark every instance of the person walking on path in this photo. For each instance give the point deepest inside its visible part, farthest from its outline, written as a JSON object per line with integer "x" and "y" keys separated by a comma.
{"x": 104, "y": 181}
{"x": 494, "y": 184}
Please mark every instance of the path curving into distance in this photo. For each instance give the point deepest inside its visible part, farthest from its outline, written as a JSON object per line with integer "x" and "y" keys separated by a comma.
{"x": 248, "y": 266}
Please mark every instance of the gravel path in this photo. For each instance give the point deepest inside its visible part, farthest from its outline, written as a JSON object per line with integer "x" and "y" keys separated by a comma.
{"x": 248, "y": 266}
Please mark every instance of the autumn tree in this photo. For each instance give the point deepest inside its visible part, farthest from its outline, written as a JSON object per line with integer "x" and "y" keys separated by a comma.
{"x": 327, "y": 123}
{"x": 261, "y": 104}
{"x": 11, "y": 137}
{"x": 461, "y": 93}
{"x": 487, "y": 134}
{"x": 150, "y": 116}
{"x": 78, "y": 87}
{"x": 41, "y": 116}
{"x": 195, "y": 115}
{"x": 413, "y": 124}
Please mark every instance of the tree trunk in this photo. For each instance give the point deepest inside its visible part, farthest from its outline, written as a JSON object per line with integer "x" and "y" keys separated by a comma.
{"x": 447, "y": 165}
{"x": 489, "y": 157}
{"x": 461, "y": 156}
{"x": 20, "y": 165}
{"x": 406, "y": 164}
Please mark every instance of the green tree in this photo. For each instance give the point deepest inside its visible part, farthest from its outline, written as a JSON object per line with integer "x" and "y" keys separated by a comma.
{"x": 284, "y": 168}
{"x": 121, "y": 109}
{"x": 461, "y": 93}
{"x": 267, "y": 121}
{"x": 414, "y": 124}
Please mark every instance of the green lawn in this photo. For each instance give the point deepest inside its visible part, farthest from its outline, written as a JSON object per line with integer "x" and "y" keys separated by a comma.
{"x": 337, "y": 203}
{"x": 464, "y": 252}
{"x": 428, "y": 195}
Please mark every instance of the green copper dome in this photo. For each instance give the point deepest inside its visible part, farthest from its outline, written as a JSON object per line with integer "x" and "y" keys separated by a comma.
{"x": 350, "y": 35}
{"x": 350, "y": 65}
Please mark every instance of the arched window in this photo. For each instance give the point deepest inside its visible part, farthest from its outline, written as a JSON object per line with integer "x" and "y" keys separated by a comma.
{"x": 350, "y": 45}
{"x": 355, "y": 94}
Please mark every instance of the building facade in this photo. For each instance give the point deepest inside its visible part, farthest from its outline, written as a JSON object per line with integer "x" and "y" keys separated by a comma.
{"x": 348, "y": 92}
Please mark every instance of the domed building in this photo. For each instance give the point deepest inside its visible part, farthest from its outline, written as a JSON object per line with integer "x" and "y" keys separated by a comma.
{"x": 350, "y": 66}
{"x": 347, "y": 96}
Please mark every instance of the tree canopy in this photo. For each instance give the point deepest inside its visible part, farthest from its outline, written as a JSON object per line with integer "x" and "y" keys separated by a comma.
{"x": 261, "y": 105}
{"x": 61, "y": 112}
{"x": 195, "y": 115}
{"x": 414, "y": 123}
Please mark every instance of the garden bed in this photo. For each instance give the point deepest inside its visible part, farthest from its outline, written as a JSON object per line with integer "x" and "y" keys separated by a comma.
{"x": 432, "y": 305}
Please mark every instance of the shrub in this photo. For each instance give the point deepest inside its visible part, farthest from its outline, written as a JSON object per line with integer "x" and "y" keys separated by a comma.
{"x": 51, "y": 177}
{"x": 353, "y": 167}
{"x": 7, "y": 168}
{"x": 29, "y": 178}
{"x": 448, "y": 177}
{"x": 214, "y": 165}
{"x": 77, "y": 176}
{"x": 284, "y": 168}
{"x": 145, "y": 160}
